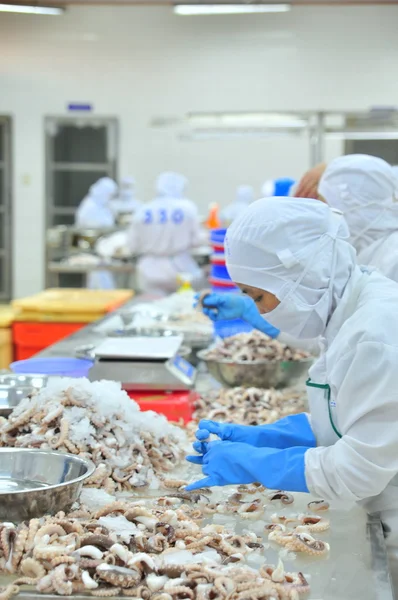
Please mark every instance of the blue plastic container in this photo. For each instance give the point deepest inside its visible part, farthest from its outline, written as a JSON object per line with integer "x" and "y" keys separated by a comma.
{"x": 57, "y": 366}
{"x": 226, "y": 329}
{"x": 220, "y": 272}
{"x": 224, "y": 290}
{"x": 217, "y": 236}
{"x": 218, "y": 258}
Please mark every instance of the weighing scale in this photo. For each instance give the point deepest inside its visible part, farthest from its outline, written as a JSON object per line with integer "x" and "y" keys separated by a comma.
{"x": 144, "y": 364}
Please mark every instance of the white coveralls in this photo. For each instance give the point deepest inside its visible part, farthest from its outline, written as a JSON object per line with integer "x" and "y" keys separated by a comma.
{"x": 163, "y": 232}
{"x": 365, "y": 189}
{"x": 298, "y": 250}
{"x": 244, "y": 197}
{"x": 94, "y": 212}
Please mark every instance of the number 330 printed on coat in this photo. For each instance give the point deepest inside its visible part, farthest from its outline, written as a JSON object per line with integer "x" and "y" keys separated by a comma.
{"x": 163, "y": 216}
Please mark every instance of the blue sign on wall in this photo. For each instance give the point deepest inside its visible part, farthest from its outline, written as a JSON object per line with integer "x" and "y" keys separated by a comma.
{"x": 77, "y": 106}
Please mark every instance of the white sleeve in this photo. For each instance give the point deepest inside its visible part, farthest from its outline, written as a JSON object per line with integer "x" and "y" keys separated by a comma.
{"x": 365, "y": 459}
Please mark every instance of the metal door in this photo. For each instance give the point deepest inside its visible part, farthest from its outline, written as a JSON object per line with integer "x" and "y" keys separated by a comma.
{"x": 5, "y": 210}
{"x": 78, "y": 152}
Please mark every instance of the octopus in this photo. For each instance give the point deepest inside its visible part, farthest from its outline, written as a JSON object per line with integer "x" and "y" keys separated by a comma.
{"x": 118, "y": 576}
{"x": 254, "y": 346}
{"x": 315, "y": 524}
{"x": 318, "y": 506}
{"x": 249, "y": 406}
{"x": 68, "y": 418}
{"x": 303, "y": 542}
{"x": 284, "y": 497}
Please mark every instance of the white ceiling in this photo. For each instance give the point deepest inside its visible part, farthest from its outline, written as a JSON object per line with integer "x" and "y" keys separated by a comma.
{"x": 171, "y": 2}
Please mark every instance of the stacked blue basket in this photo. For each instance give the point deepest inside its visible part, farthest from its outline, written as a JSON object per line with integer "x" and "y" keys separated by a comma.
{"x": 221, "y": 282}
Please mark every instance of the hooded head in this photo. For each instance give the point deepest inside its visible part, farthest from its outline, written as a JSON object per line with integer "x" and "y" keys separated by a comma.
{"x": 127, "y": 188}
{"x": 171, "y": 185}
{"x": 277, "y": 187}
{"x": 245, "y": 194}
{"x": 103, "y": 190}
{"x": 365, "y": 189}
{"x": 297, "y": 250}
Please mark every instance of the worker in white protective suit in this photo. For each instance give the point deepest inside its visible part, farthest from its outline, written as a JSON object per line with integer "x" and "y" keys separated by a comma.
{"x": 126, "y": 202}
{"x": 293, "y": 260}
{"x": 244, "y": 197}
{"x": 94, "y": 212}
{"x": 365, "y": 189}
{"x": 163, "y": 232}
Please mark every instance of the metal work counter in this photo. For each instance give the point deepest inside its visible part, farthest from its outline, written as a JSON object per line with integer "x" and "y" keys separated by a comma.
{"x": 358, "y": 566}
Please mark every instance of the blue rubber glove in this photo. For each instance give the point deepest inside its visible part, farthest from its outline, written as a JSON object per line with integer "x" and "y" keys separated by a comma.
{"x": 225, "y": 307}
{"x": 294, "y": 430}
{"x": 226, "y": 463}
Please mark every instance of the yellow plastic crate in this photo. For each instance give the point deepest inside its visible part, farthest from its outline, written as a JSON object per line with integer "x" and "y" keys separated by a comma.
{"x": 69, "y": 305}
{"x": 6, "y": 349}
{"x": 7, "y": 316}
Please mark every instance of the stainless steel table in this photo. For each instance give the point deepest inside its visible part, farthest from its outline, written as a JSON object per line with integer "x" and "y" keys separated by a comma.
{"x": 378, "y": 560}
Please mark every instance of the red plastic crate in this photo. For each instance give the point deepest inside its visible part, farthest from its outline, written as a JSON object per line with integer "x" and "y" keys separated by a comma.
{"x": 31, "y": 338}
{"x": 176, "y": 406}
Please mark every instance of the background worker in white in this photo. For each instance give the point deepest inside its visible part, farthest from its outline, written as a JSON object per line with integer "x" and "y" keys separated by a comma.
{"x": 293, "y": 258}
{"x": 244, "y": 197}
{"x": 94, "y": 210}
{"x": 163, "y": 232}
{"x": 365, "y": 189}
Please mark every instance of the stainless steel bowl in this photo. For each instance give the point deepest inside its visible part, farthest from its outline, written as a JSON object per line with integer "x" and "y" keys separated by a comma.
{"x": 12, "y": 379}
{"x": 34, "y": 483}
{"x": 11, "y": 396}
{"x": 261, "y": 374}
{"x": 14, "y": 388}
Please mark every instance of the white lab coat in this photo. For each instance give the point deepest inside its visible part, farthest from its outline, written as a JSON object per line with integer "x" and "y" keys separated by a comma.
{"x": 163, "y": 232}
{"x": 382, "y": 254}
{"x": 359, "y": 361}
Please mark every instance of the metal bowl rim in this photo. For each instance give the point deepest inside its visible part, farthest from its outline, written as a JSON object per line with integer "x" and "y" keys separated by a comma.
{"x": 226, "y": 361}
{"x": 90, "y": 469}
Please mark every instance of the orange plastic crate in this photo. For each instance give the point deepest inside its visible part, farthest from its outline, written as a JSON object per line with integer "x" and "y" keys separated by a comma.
{"x": 31, "y": 338}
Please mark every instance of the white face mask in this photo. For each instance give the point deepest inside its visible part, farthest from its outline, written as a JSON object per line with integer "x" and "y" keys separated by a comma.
{"x": 298, "y": 319}
{"x": 301, "y": 319}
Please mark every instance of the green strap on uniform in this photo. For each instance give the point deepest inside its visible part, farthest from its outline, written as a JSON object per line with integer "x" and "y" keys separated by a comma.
{"x": 326, "y": 387}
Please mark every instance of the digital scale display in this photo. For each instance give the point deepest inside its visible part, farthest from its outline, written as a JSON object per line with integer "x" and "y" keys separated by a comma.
{"x": 184, "y": 366}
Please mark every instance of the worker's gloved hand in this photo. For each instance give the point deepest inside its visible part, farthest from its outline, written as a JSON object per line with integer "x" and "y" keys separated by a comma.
{"x": 285, "y": 433}
{"x": 225, "y": 307}
{"x": 226, "y": 463}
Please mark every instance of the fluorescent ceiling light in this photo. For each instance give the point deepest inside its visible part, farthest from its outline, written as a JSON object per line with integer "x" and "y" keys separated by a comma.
{"x": 31, "y": 10}
{"x": 229, "y": 9}
{"x": 362, "y": 135}
{"x": 271, "y": 121}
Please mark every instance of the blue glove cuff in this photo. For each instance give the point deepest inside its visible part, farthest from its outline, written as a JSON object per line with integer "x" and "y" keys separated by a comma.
{"x": 294, "y": 430}
{"x": 279, "y": 470}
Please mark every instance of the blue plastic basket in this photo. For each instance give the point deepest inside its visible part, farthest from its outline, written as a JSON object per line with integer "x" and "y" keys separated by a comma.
{"x": 58, "y": 366}
{"x": 226, "y": 329}
{"x": 220, "y": 272}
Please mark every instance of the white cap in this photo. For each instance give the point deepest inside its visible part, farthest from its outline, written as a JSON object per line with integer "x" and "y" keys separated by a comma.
{"x": 171, "y": 185}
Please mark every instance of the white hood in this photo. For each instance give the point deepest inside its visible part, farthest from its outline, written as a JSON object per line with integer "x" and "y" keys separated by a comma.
{"x": 298, "y": 250}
